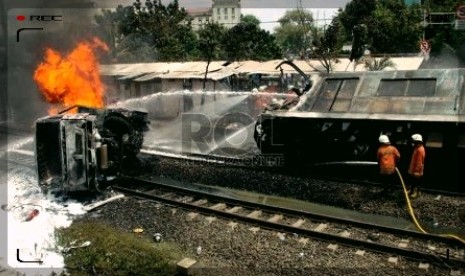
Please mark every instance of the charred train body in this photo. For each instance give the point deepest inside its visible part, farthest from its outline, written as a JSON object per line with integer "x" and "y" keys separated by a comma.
{"x": 82, "y": 151}
{"x": 341, "y": 117}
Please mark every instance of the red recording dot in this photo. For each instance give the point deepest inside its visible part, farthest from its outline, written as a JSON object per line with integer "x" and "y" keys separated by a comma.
{"x": 20, "y": 17}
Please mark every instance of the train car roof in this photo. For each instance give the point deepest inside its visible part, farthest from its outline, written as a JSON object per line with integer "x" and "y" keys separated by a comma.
{"x": 430, "y": 94}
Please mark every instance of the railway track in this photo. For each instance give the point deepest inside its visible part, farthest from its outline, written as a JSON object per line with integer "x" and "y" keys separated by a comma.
{"x": 351, "y": 233}
{"x": 19, "y": 152}
{"x": 22, "y": 158}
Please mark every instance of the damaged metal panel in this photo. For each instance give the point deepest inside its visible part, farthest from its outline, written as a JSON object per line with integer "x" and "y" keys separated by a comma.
{"x": 83, "y": 151}
{"x": 392, "y": 92}
{"x": 76, "y": 147}
{"x": 341, "y": 117}
{"x": 394, "y": 105}
{"x": 49, "y": 152}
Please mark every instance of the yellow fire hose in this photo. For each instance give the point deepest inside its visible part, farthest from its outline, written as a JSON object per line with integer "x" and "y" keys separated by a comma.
{"x": 414, "y": 218}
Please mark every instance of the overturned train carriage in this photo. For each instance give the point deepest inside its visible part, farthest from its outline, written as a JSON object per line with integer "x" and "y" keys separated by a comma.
{"x": 341, "y": 117}
{"x": 82, "y": 151}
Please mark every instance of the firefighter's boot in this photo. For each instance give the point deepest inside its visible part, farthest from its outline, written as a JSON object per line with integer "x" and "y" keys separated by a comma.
{"x": 414, "y": 193}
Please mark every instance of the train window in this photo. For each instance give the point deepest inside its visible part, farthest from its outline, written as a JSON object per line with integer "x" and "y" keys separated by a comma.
{"x": 461, "y": 141}
{"x": 421, "y": 87}
{"x": 78, "y": 143}
{"x": 434, "y": 140}
{"x": 326, "y": 95}
{"x": 347, "y": 89}
{"x": 336, "y": 95}
{"x": 345, "y": 95}
{"x": 326, "y": 126}
{"x": 329, "y": 89}
{"x": 389, "y": 87}
{"x": 345, "y": 126}
{"x": 341, "y": 105}
{"x": 407, "y": 87}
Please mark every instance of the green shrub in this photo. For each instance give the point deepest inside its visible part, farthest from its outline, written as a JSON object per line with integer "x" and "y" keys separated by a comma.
{"x": 113, "y": 252}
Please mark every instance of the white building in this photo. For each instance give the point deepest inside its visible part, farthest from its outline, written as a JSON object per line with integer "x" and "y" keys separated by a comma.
{"x": 225, "y": 12}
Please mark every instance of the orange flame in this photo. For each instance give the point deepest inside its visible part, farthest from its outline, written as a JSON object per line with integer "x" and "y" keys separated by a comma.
{"x": 73, "y": 79}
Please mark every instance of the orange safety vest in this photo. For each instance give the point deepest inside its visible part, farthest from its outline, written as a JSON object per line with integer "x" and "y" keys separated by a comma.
{"x": 417, "y": 163}
{"x": 387, "y": 158}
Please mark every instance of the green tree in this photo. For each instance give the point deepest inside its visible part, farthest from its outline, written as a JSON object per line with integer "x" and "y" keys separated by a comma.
{"x": 250, "y": 19}
{"x": 168, "y": 28}
{"x": 128, "y": 23}
{"x": 294, "y": 33}
{"x": 445, "y": 36}
{"x": 124, "y": 35}
{"x": 391, "y": 26}
{"x": 357, "y": 12}
{"x": 246, "y": 41}
{"x": 108, "y": 28}
{"x": 327, "y": 43}
{"x": 359, "y": 41}
{"x": 396, "y": 27}
{"x": 210, "y": 39}
{"x": 135, "y": 48}
{"x": 374, "y": 64}
{"x": 149, "y": 31}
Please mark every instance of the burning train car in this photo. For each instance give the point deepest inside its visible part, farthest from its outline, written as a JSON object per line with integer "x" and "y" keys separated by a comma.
{"x": 342, "y": 115}
{"x": 82, "y": 151}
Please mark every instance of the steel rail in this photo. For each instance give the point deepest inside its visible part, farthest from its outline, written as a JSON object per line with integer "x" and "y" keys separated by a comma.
{"x": 294, "y": 212}
{"x": 6, "y": 162}
{"x": 277, "y": 209}
{"x": 375, "y": 247}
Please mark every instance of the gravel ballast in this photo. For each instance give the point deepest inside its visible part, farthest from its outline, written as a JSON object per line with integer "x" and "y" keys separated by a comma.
{"x": 431, "y": 209}
{"x": 228, "y": 249}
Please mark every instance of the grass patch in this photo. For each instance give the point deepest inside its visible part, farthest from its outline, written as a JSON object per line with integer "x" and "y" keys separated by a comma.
{"x": 113, "y": 252}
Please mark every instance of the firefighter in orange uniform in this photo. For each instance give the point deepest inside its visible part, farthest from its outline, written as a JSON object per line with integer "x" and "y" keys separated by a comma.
{"x": 417, "y": 164}
{"x": 388, "y": 156}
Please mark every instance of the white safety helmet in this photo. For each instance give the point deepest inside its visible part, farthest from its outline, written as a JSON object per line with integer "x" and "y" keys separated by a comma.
{"x": 417, "y": 138}
{"x": 383, "y": 139}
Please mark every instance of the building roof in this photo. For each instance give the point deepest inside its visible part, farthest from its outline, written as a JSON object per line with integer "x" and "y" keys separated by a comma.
{"x": 148, "y": 77}
{"x": 400, "y": 63}
{"x": 199, "y": 11}
{"x": 244, "y": 66}
{"x": 220, "y": 69}
{"x": 269, "y": 67}
{"x": 126, "y": 69}
{"x": 131, "y": 76}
